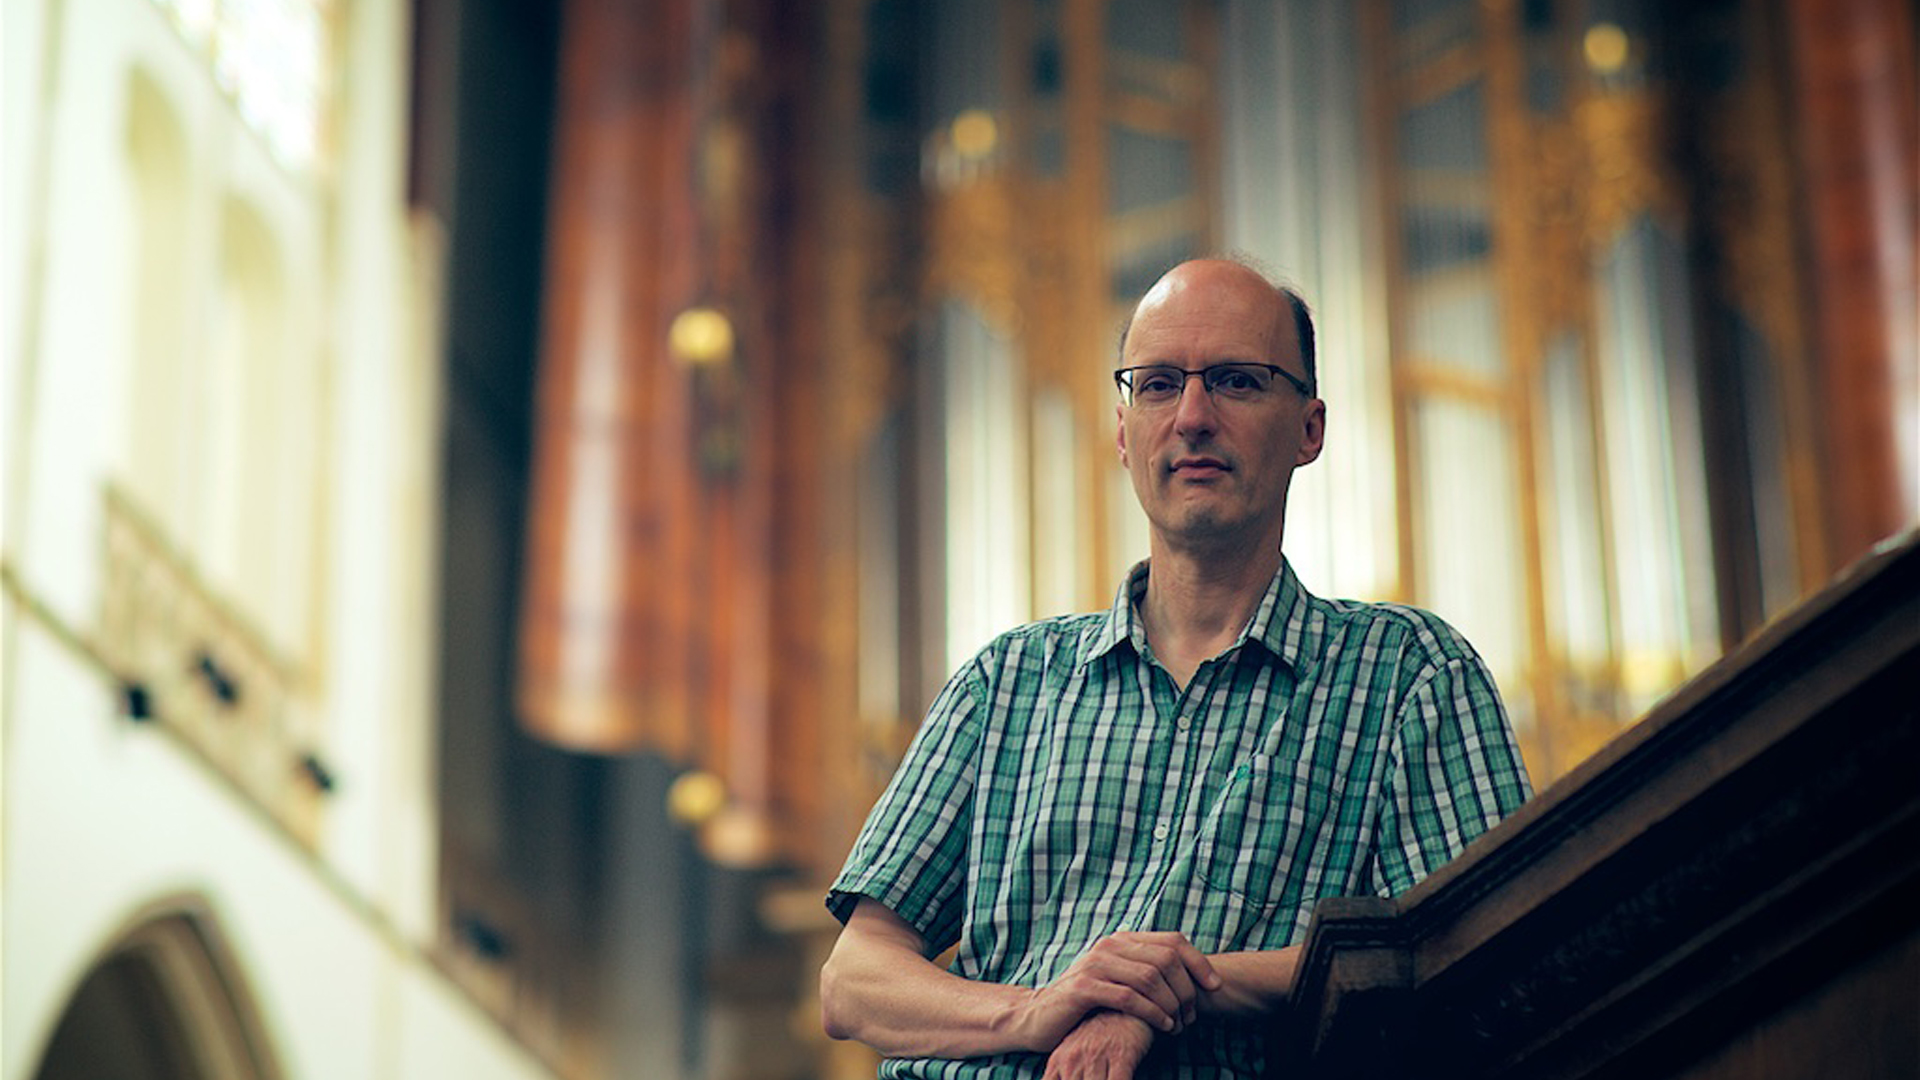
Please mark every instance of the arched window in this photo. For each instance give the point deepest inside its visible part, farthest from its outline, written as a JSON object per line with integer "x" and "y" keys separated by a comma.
{"x": 270, "y": 56}
{"x": 157, "y": 158}
{"x": 166, "y": 1002}
{"x": 245, "y": 436}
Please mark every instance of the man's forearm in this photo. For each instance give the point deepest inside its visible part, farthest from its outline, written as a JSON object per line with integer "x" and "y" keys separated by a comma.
{"x": 1252, "y": 983}
{"x": 878, "y": 988}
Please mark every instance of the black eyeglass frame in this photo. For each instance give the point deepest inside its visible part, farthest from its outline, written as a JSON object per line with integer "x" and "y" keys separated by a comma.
{"x": 1123, "y": 377}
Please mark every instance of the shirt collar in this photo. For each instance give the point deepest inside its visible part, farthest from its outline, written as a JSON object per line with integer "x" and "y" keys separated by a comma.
{"x": 1122, "y": 624}
{"x": 1280, "y": 624}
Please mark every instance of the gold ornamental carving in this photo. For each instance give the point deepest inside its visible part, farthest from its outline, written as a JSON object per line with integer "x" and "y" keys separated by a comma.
{"x": 869, "y": 319}
{"x": 1628, "y": 177}
{"x": 1046, "y": 296}
{"x": 1556, "y": 227}
{"x": 972, "y": 249}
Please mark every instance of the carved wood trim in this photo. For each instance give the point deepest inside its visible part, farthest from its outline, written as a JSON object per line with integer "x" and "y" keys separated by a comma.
{"x": 1756, "y": 835}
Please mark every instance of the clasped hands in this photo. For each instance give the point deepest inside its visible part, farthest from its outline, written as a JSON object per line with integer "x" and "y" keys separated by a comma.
{"x": 1099, "y": 1017}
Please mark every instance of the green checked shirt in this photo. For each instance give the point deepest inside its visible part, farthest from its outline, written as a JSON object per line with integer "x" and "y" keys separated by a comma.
{"x": 1063, "y": 788}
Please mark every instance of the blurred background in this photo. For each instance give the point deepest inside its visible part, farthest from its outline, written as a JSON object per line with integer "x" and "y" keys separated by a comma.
{"x": 490, "y": 486}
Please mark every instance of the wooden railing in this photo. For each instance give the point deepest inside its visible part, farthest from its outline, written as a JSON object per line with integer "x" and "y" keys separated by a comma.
{"x": 1730, "y": 889}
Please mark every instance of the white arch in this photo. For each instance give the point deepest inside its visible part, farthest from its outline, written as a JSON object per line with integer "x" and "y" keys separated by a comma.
{"x": 170, "y": 981}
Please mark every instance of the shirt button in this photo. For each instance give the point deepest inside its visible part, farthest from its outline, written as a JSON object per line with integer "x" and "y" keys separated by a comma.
{"x": 1160, "y": 832}
{"x": 1185, "y": 722}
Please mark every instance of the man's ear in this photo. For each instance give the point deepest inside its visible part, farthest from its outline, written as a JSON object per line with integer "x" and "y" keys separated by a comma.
{"x": 1120, "y": 433}
{"x": 1315, "y": 434}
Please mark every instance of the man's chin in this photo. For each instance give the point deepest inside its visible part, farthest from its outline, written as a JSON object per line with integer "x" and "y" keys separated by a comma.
{"x": 1206, "y": 526}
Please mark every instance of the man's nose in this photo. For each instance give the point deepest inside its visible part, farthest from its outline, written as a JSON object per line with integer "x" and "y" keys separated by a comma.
{"x": 1195, "y": 411}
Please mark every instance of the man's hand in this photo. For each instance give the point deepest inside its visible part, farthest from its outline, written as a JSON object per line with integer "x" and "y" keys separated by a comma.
{"x": 879, "y": 987}
{"x": 1106, "y": 1046}
{"x": 1155, "y": 977}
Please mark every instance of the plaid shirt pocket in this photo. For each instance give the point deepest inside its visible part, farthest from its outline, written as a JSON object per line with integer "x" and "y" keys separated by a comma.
{"x": 1241, "y": 846}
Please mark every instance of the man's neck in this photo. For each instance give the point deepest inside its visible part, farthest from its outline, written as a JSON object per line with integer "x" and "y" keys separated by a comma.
{"x": 1197, "y": 603}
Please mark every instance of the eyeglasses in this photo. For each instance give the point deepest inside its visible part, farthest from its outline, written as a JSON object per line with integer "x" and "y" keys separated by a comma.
{"x": 1152, "y": 385}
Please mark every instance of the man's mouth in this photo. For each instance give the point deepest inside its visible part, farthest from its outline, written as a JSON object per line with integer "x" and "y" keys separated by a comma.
{"x": 1200, "y": 467}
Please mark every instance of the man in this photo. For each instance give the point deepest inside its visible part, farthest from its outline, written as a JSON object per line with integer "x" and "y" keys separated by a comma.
{"x": 1124, "y": 820}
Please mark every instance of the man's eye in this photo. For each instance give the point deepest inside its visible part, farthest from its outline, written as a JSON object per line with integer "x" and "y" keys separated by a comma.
{"x": 1235, "y": 381}
{"x": 1157, "y": 382}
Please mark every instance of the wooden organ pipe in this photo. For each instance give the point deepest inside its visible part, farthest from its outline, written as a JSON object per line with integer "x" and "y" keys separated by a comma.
{"x": 650, "y": 607}
{"x": 1859, "y": 133}
{"x": 607, "y": 611}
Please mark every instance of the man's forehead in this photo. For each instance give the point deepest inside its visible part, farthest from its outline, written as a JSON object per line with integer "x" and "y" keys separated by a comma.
{"x": 1214, "y": 298}
{"x": 1163, "y": 291}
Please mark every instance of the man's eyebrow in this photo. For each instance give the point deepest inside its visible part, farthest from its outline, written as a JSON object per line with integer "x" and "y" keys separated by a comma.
{"x": 1217, "y": 358}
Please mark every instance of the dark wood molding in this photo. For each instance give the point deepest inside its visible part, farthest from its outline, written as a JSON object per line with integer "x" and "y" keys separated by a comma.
{"x": 1751, "y": 845}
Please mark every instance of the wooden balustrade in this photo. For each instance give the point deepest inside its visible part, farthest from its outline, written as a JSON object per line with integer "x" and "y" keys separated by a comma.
{"x": 1730, "y": 889}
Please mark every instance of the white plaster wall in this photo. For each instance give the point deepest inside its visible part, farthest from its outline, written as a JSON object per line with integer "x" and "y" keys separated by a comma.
{"x": 22, "y": 24}
{"x": 100, "y": 817}
{"x": 105, "y": 817}
{"x": 382, "y": 436}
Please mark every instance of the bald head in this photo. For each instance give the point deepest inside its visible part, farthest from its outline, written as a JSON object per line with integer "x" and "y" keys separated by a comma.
{"x": 1281, "y": 303}
{"x": 1212, "y": 467}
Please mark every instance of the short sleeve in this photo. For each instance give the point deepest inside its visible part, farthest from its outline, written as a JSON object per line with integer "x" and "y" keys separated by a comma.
{"x": 912, "y": 853}
{"x": 1454, "y": 770}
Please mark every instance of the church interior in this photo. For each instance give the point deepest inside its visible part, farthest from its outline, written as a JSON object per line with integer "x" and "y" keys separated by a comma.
{"x": 491, "y": 486}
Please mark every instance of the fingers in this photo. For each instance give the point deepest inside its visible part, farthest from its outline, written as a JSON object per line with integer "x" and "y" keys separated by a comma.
{"x": 1195, "y": 971}
{"x": 1126, "y": 986}
{"x": 1181, "y": 966}
{"x": 1090, "y": 986}
{"x": 1192, "y": 960}
{"x": 1155, "y": 976}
